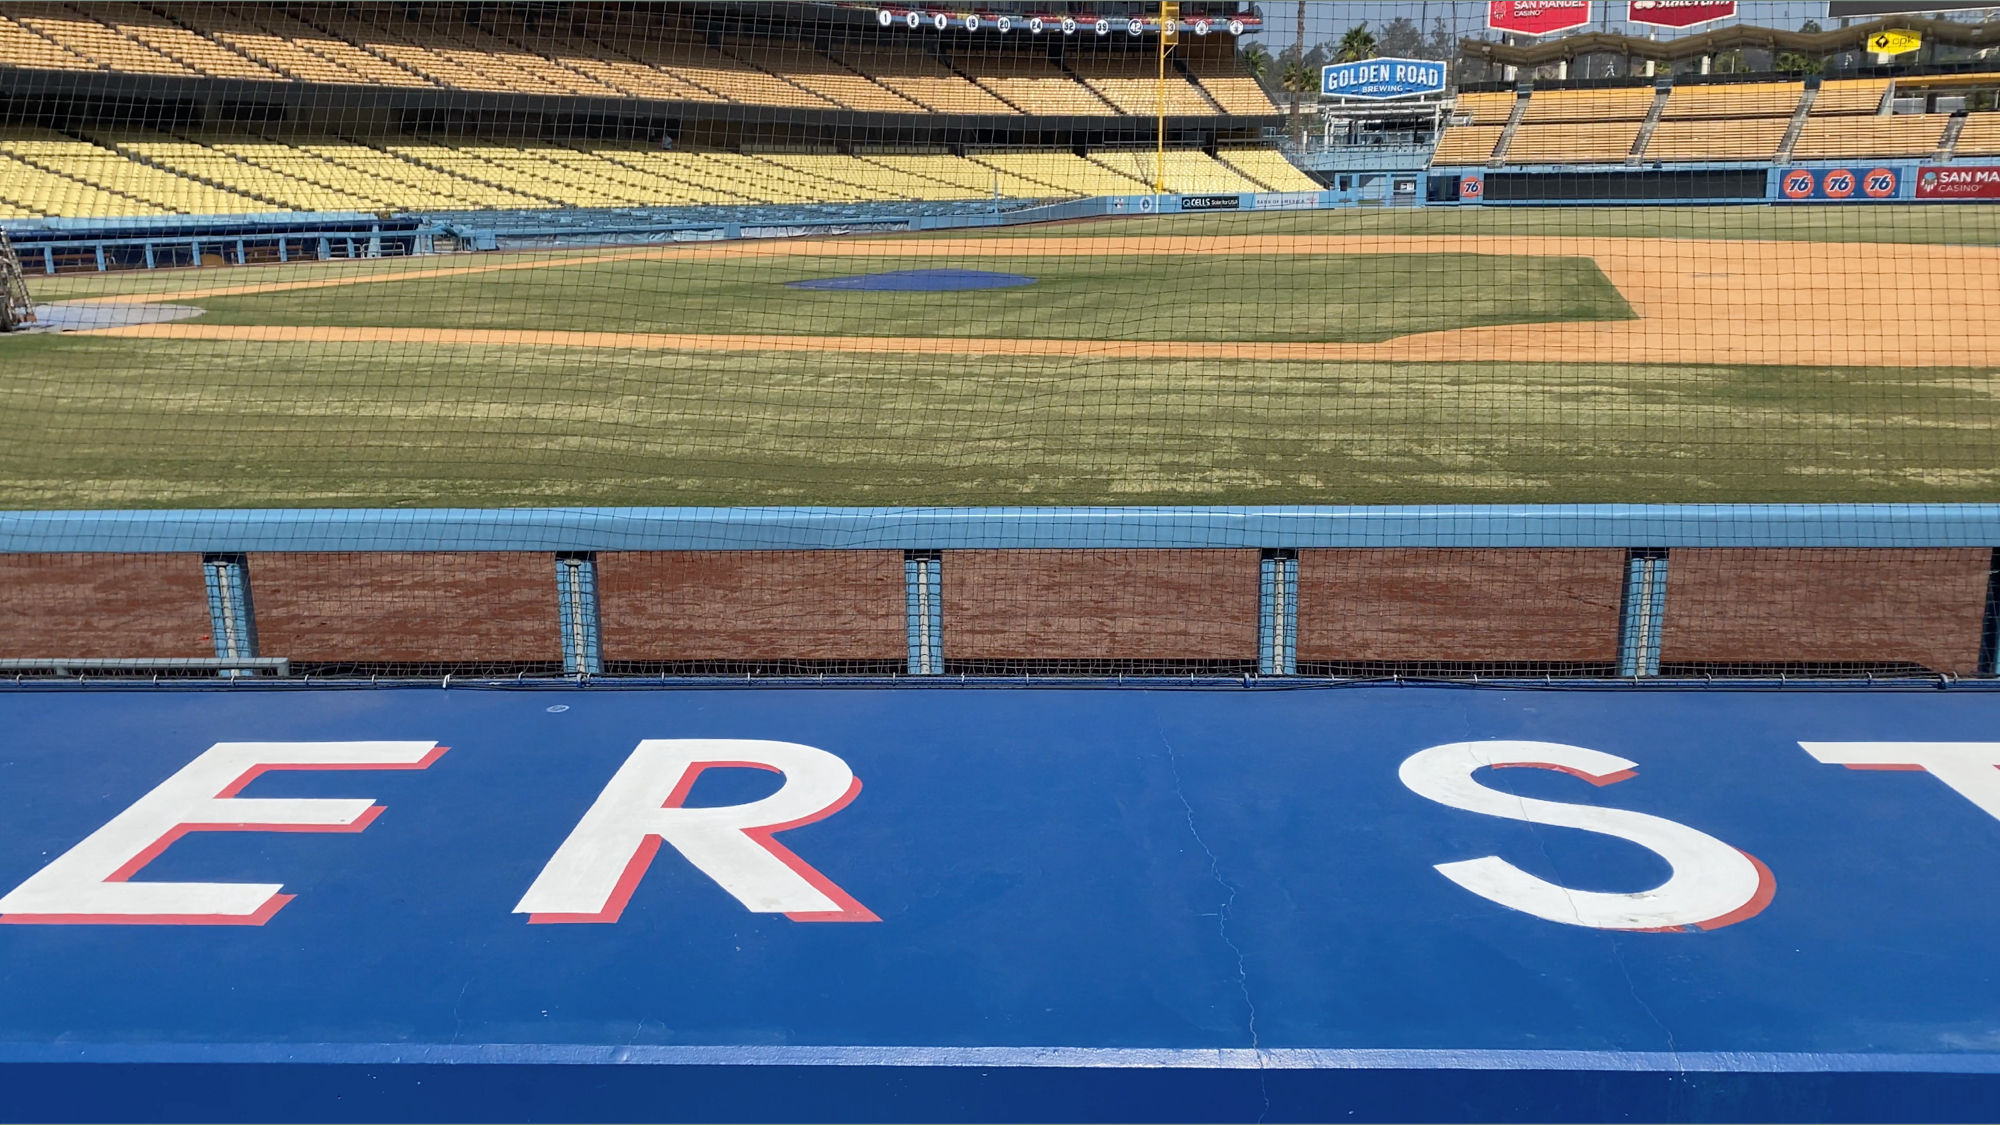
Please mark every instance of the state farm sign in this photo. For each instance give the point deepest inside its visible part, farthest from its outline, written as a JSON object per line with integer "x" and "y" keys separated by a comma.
{"x": 1537, "y": 17}
{"x": 1680, "y": 13}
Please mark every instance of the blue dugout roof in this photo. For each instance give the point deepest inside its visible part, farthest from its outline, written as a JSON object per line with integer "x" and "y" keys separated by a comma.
{"x": 1384, "y": 903}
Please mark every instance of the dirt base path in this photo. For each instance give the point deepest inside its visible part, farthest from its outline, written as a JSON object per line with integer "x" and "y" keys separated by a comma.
{"x": 1698, "y": 301}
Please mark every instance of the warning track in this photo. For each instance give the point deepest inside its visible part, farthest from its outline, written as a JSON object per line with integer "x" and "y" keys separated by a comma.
{"x": 1697, "y": 301}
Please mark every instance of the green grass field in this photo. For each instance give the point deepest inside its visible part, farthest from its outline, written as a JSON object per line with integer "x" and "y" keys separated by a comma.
{"x": 94, "y": 421}
{"x": 1233, "y": 298}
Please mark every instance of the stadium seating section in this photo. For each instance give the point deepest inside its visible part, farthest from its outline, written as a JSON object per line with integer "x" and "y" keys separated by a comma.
{"x": 147, "y": 173}
{"x": 1487, "y": 108}
{"x": 1734, "y": 100}
{"x": 1629, "y": 104}
{"x": 1851, "y": 96}
{"x": 1981, "y": 135}
{"x": 602, "y": 51}
{"x": 1915, "y": 134}
{"x": 1750, "y": 138}
{"x": 1746, "y": 121}
{"x": 1467, "y": 144}
{"x": 1583, "y": 142}
{"x": 1732, "y": 121}
{"x": 610, "y": 53}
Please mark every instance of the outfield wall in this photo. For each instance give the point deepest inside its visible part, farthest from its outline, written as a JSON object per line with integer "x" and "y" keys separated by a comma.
{"x": 75, "y": 245}
{"x": 1848, "y": 590}
{"x": 1816, "y": 181}
{"x": 51, "y": 247}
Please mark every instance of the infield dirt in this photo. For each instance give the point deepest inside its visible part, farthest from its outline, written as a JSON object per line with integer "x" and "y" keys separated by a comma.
{"x": 1737, "y": 302}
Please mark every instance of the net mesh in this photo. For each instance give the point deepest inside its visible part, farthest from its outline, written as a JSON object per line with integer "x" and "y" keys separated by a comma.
{"x": 331, "y": 257}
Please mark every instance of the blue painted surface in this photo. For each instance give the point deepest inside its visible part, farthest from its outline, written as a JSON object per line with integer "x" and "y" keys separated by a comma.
{"x": 1217, "y": 905}
{"x": 918, "y": 281}
{"x": 783, "y": 528}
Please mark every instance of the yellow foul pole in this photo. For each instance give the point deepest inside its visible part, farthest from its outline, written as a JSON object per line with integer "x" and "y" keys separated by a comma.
{"x": 1169, "y": 33}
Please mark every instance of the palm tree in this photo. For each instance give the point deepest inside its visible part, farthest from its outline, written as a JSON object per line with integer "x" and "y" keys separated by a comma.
{"x": 1257, "y": 63}
{"x": 1299, "y": 49}
{"x": 1298, "y": 77}
{"x": 1357, "y": 44}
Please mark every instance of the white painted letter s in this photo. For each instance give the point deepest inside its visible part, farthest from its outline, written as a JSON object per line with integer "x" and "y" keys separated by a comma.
{"x": 1712, "y": 884}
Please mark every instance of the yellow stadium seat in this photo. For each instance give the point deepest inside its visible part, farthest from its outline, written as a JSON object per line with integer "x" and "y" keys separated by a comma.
{"x": 1269, "y": 168}
{"x": 1237, "y": 94}
{"x": 925, "y": 81}
{"x": 1467, "y": 144}
{"x": 1745, "y": 99}
{"x": 157, "y": 190}
{"x": 1578, "y": 143}
{"x": 1486, "y": 108}
{"x": 24, "y": 47}
{"x": 1857, "y": 95}
{"x": 1980, "y": 136}
{"x": 1623, "y": 104}
{"x": 1915, "y": 134}
{"x": 94, "y": 40}
{"x": 1750, "y": 138}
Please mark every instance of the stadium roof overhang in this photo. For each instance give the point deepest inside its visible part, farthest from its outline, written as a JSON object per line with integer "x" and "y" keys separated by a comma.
{"x": 1727, "y": 38}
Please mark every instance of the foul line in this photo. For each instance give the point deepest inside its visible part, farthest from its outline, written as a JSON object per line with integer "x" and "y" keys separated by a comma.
{"x": 727, "y": 342}
{"x": 1418, "y": 347}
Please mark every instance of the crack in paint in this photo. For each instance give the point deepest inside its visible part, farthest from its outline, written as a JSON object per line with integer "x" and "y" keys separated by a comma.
{"x": 1222, "y": 923}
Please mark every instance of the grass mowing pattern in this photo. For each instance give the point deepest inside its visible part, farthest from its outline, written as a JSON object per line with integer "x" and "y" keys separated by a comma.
{"x": 128, "y": 423}
{"x": 1234, "y": 297}
{"x": 105, "y": 422}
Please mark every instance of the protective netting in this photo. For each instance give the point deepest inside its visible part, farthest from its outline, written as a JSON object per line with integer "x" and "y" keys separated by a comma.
{"x": 755, "y": 257}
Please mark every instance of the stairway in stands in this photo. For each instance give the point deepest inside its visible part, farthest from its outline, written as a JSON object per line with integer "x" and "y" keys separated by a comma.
{"x": 1798, "y": 125}
{"x": 1507, "y": 134}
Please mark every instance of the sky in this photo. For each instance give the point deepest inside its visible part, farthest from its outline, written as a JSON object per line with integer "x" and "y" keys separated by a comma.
{"x": 1326, "y": 19}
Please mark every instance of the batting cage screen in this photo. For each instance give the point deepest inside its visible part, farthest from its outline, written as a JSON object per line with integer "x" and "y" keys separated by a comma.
{"x": 1124, "y": 339}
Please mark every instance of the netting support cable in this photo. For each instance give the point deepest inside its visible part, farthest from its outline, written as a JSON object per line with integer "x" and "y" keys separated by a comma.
{"x": 576, "y": 602}
{"x": 1644, "y": 612}
{"x": 231, "y": 618}
{"x": 1278, "y": 614}
{"x": 923, "y": 582}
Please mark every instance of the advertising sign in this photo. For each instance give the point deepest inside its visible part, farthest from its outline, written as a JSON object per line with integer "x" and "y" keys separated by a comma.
{"x": 1959, "y": 182}
{"x": 1894, "y": 42}
{"x": 1680, "y": 13}
{"x": 1211, "y": 202}
{"x": 1382, "y": 79}
{"x": 1839, "y": 185}
{"x": 1471, "y": 188}
{"x": 1287, "y": 200}
{"x": 1537, "y": 17}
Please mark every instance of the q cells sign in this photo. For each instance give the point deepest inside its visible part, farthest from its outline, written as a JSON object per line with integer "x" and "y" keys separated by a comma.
{"x": 1381, "y": 79}
{"x": 1537, "y": 17}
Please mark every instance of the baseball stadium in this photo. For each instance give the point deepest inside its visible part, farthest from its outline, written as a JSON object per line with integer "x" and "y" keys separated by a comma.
{"x": 1206, "y": 406}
